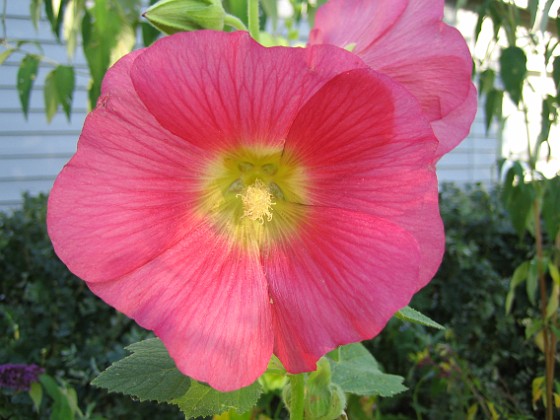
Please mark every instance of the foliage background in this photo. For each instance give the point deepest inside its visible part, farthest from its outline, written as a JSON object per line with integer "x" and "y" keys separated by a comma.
{"x": 50, "y": 318}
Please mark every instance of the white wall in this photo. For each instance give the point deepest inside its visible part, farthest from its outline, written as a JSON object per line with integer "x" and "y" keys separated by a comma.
{"x": 32, "y": 152}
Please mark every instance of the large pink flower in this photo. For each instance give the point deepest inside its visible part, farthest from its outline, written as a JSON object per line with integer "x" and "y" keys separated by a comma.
{"x": 407, "y": 40}
{"x": 240, "y": 201}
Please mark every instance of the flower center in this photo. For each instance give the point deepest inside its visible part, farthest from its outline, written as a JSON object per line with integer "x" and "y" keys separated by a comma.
{"x": 245, "y": 185}
{"x": 257, "y": 202}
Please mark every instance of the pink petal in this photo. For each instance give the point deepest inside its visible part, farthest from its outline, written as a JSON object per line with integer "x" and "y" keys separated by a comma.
{"x": 366, "y": 147}
{"x": 455, "y": 126}
{"x": 361, "y": 23}
{"x": 428, "y": 57}
{"x": 125, "y": 196}
{"x": 219, "y": 90}
{"x": 339, "y": 281}
{"x": 207, "y": 301}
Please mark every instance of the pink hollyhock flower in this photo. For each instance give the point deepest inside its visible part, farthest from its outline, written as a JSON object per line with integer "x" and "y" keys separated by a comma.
{"x": 407, "y": 40}
{"x": 241, "y": 201}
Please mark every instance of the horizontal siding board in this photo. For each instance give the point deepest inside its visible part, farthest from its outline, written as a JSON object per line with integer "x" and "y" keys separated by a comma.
{"x": 34, "y": 146}
{"x": 21, "y": 169}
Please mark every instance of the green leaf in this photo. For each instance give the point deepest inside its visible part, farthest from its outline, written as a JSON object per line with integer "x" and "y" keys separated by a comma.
{"x": 59, "y": 89}
{"x": 50, "y": 95}
{"x": 493, "y": 106}
{"x": 201, "y": 400}
{"x": 519, "y": 276}
{"x": 36, "y": 395}
{"x": 358, "y": 372}
{"x": 412, "y": 315}
{"x": 550, "y": 206}
{"x": 147, "y": 374}
{"x": 65, "y": 84}
{"x": 513, "y": 69}
{"x": 4, "y": 55}
{"x": 556, "y": 73}
{"x": 554, "y": 273}
{"x": 101, "y": 27}
{"x": 26, "y": 76}
{"x": 518, "y": 197}
{"x": 73, "y": 16}
{"x": 532, "y": 282}
{"x": 533, "y": 9}
{"x": 54, "y": 9}
{"x": 486, "y": 81}
{"x": 61, "y": 409}
{"x": 35, "y": 12}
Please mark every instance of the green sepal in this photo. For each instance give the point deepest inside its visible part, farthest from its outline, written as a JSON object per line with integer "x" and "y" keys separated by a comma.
{"x": 172, "y": 16}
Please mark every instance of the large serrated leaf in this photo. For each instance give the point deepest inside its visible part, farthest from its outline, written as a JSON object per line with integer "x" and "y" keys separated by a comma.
{"x": 412, "y": 315}
{"x": 358, "y": 372}
{"x": 27, "y": 73}
{"x": 513, "y": 69}
{"x": 201, "y": 400}
{"x": 147, "y": 374}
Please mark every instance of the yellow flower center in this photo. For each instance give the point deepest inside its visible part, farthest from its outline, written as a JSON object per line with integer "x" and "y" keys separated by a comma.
{"x": 253, "y": 195}
{"x": 257, "y": 202}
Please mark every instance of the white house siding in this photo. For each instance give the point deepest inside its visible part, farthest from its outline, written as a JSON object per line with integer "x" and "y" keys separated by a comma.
{"x": 32, "y": 152}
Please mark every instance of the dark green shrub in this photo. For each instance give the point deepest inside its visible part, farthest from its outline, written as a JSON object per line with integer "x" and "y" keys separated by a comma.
{"x": 50, "y": 318}
{"x": 483, "y": 356}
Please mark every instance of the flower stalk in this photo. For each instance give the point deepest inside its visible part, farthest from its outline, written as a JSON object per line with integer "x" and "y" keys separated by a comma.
{"x": 297, "y": 383}
{"x": 253, "y": 18}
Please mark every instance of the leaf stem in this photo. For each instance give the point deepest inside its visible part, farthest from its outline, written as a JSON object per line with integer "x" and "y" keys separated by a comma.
{"x": 298, "y": 396}
{"x": 234, "y": 22}
{"x": 253, "y": 18}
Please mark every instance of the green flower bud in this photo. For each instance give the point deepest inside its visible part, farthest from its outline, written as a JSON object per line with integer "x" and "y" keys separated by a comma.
{"x": 323, "y": 400}
{"x": 171, "y": 16}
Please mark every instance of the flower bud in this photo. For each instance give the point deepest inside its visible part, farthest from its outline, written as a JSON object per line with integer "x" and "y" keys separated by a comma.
{"x": 323, "y": 400}
{"x": 171, "y": 16}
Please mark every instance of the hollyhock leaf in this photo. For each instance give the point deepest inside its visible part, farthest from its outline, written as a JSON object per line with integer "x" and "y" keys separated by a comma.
{"x": 513, "y": 68}
{"x": 358, "y": 372}
{"x": 363, "y": 137}
{"x": 412, "y": 315}
{"x": 493, "y": 107}
{"x": 201, "y": 400}
{"x": 147, "y": 374}
{"x": 207, "y": 87}
{"x": 413, "y": 47}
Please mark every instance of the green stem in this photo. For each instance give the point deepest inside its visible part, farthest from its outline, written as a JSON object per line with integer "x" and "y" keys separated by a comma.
{"x": 253, "y": 18}
{"x": 235, "y": 22}
{"x": 298, "y": 396}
